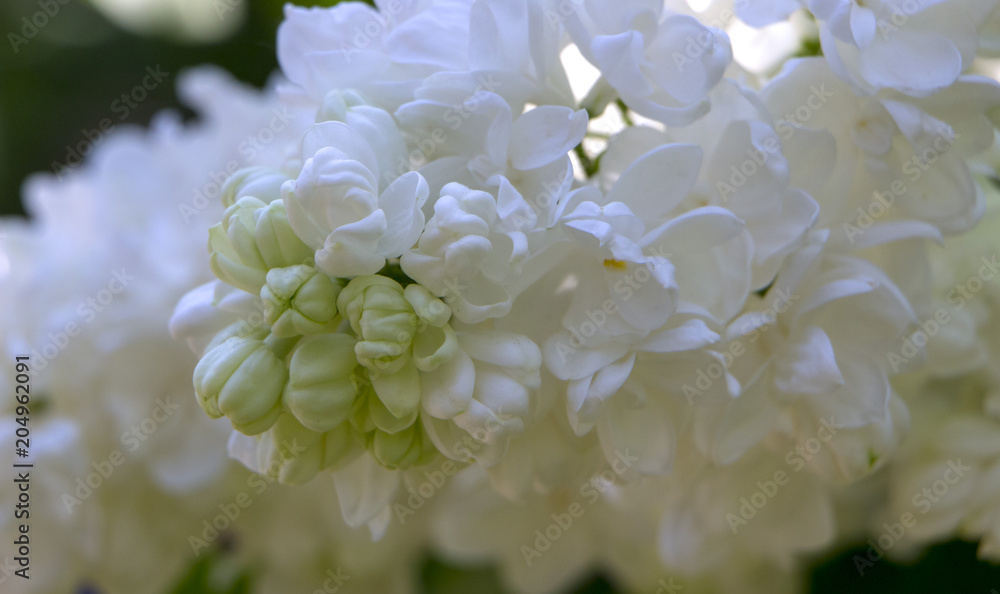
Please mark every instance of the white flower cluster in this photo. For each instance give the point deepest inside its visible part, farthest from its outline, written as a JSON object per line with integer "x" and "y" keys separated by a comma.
{"x": 551, "y": 238}
{"x": 555, "y": 285}
{"x": 131, "y": 483}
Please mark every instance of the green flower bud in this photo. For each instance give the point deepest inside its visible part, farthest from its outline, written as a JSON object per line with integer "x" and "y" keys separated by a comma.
{"x": 300, "y": 300}
{"x": 399, "y": 393}
{"x": 401, "y": 332}
{"x": 396, "y": 442}
{"x": 361, "y": 418}
{"x": 235, "y": 259}
{"x": 241, "y": 378}
{"x": 384, "y": 320}
{"x": 428, "y": 308}
{"x": 294, "y": 454}
{"x": 322, "y": 385}
{"x": 370, "y": 412}
{"x": 253, "y": 238}
{"x": 278, "y": 244}
{"x": 397, "y": 402}
{"x": 259, "y": 182}
{"x": 408, "y": 448}
{"x": 241, "y": 329}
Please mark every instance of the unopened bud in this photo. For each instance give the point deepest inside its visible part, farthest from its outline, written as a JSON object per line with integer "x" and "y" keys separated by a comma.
{"x": 321, "y": 382}
{"x": 408, "y": 448}
{"x": 299, "y": 300}
{"x": 241, "y": 378}
{"x": 259, "y": 182}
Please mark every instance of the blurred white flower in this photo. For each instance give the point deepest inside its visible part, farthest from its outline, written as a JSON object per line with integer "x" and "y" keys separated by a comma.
{"x": 202, "y": 21}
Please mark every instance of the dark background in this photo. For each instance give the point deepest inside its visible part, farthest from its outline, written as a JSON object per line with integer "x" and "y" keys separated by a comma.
{"x": 64, "y": 82}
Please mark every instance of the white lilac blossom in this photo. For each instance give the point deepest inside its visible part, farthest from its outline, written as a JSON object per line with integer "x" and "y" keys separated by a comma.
{"x": 457, "y": 300}
{"x": 945, "y": 474}
{"x": 661, "y": 63}
{"x": 688, "y": 269}
{"x": 916, "y": 47}
{"x": 134, "y": 471}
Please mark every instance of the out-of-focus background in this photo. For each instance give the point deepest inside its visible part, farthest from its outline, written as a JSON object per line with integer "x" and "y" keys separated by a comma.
{"x": 72, "y": 70}
{"x": 64, "y": 75}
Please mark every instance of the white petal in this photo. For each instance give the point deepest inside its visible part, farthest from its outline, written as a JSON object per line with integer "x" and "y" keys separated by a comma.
{"x": 619, "y": 57}
{"x": 863, "y": 25}
{"x": 585, "y": 397}
{"x": 657, "y": 182}
{"x": 911, "y": 61}
{"x": 760, "y": 13}
{"x": 746, "y": 422}
{"x": 808, "y": 365}
{"x": 340, "y": 136}
{"x": 352, "y": 250}
{"x": 647, "y": 433}
{"x": 446, "y": 391}
{"x": 567, "y": 360}
{"x": 364, "y": 488}
{"x": 861, "y": 400}
{"x": 695, "y": 231}
{"x": 545, "y": 134}
{"x": 691, "y": 335}
{"x": 401, "y": 202}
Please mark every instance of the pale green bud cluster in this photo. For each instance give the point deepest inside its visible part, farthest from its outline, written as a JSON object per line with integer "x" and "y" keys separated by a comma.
{"x": 334, "y": 367}
{"x": 253, "y": 238}
{"x": 294, "y": 454}
{"x": 401, "y": 332}
{"x": 395, "y": 442}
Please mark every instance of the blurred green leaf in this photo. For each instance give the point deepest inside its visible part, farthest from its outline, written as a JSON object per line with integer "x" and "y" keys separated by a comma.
{"x": 215, "y": 573}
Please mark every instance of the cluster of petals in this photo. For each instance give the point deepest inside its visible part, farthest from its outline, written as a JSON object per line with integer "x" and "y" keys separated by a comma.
{"x": 517, "y": 261}
{"x": 572, "y": 234}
